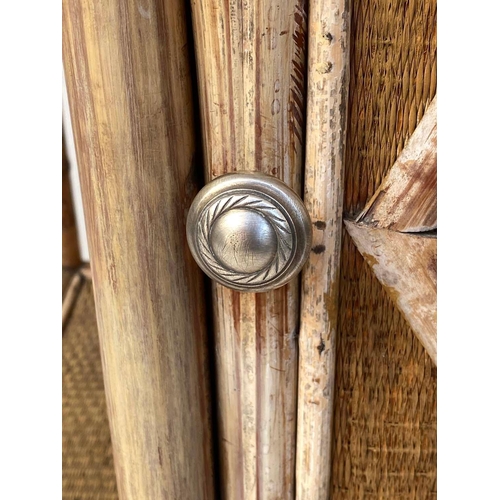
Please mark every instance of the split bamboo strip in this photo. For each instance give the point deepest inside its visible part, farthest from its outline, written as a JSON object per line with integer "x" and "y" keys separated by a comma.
{"x": 130, "y": 97}
{"x": 406, "y": 201}
{"x": 251, "y": 75}
{"x": 70, "y": 249}
{"x": 406, "y": 266}
{"x": 328, "y": 79}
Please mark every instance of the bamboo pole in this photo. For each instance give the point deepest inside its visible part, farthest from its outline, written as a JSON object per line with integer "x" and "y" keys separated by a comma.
{"x": 251, "y": 72}
{"x": 328, "y": 80}
{"x": 70, "y": 296}
{"x": 70, "y": 249}
{"x": 130, "y": 97}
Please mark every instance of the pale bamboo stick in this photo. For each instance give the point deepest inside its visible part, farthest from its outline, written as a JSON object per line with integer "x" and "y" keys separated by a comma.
{"x": 328, "y": 80}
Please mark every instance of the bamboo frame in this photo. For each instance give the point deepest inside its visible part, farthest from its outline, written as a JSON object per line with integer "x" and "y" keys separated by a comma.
{"x": 130, "y": 97}
{"x": 328, "y": 81}
{"x": 70, "y": 249}
{"x": 251, "y": 73}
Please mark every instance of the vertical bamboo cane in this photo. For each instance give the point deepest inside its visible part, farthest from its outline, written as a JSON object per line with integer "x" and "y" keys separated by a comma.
{"x": 70, "y": 249}
{"x": 328, "y": 78}
{"x": 251, "y": 69}
{"x": 130, "y": 96}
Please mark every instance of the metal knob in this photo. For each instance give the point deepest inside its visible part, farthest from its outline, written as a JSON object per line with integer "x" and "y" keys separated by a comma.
{"x": 249, "y": 231}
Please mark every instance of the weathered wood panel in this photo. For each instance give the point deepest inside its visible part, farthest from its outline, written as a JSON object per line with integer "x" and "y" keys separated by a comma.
{"x": 406, "y": 201}
{"x": 406, "y": 266}
{"x": 130, "y": 96}
{"x": 385, "y": 383}
{"x": 251, "y": 74}
{"x": 328, "y": 79}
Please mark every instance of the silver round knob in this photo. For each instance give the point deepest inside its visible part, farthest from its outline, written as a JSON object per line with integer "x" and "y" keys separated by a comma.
{"x": 249, "y": 231}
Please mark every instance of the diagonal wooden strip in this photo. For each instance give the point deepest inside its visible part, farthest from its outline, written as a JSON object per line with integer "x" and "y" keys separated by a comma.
{"x": 328, "y": 79}
{"x": 406, "y": 265}
{"x": 70, "y": 296}
{"x": 407, "y": 199}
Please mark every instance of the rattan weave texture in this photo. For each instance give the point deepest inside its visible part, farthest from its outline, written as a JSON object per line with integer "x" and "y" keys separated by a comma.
{"x": 88, "y": 471}
{"x": 385, "y": 408}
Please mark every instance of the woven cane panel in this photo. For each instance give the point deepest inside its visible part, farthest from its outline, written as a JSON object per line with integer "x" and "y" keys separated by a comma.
{"x": 385, "y": 408}
{"x": 88, "y": 471}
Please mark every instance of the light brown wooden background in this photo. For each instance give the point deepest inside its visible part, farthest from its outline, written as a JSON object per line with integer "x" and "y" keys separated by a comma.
{"x": 385, "y": 384}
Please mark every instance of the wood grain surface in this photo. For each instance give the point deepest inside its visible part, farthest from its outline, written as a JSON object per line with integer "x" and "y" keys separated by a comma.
{"x": 130, "y": 97}
{"x": 406, "y": 200}
{"x": 328, "y": 80}
{"x": 385, "y": 383}
{"x": 406, "y": 266}
{"x": 251, "y": 75}
{"x": 70, "y": 250}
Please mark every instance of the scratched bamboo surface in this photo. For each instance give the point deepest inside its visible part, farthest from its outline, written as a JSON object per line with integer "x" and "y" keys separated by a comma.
{"x": 385, "y": 383}
{"x": 130, "y": 97}
{"x": 251, "y": 74}
{"x": 327, "y": 93}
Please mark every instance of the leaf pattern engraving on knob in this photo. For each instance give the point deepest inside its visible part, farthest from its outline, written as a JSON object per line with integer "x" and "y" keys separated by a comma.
{"x": 272, "y": 213}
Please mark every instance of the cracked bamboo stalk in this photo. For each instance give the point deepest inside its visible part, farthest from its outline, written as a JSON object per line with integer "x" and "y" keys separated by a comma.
{"x": 328, "y": 80}
{"x": 131, "y": 105}
{"x": 251, "y": 71}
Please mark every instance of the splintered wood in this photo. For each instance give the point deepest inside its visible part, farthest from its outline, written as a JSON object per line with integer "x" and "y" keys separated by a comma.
{"x": 407, "y": 199}
{"x": 328, "y": 80}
